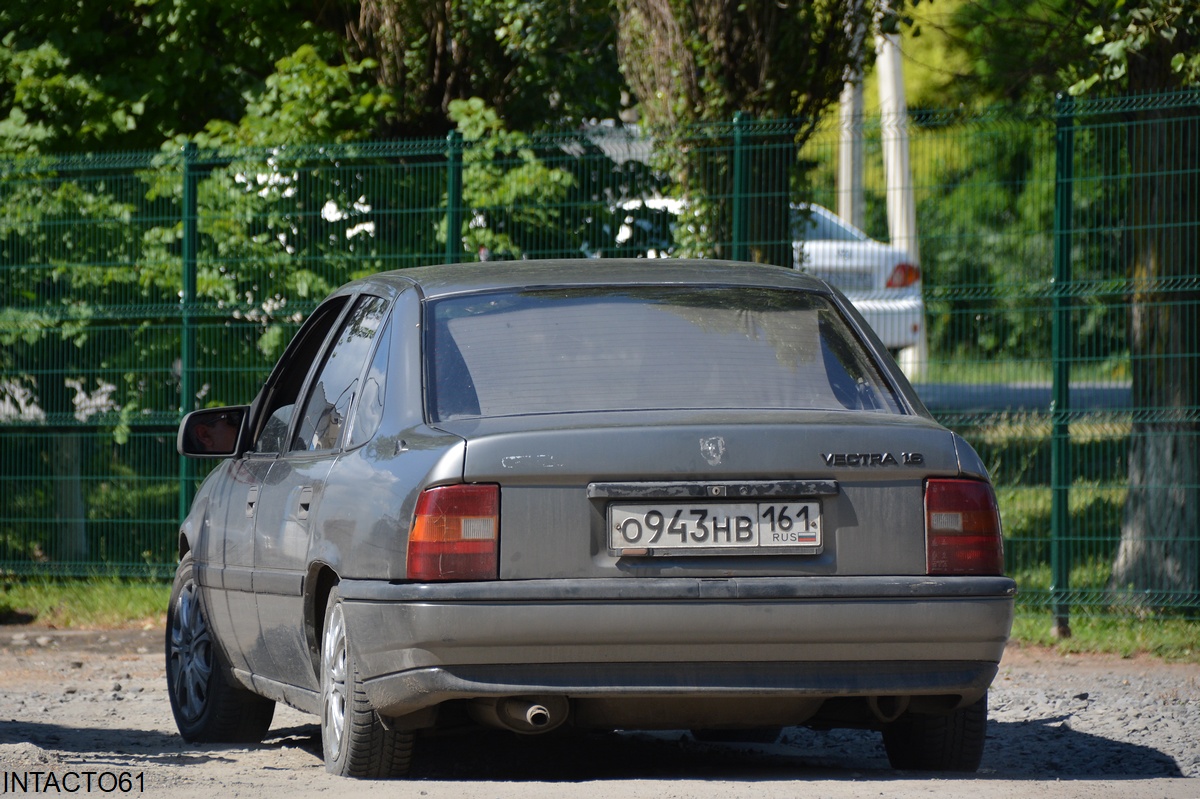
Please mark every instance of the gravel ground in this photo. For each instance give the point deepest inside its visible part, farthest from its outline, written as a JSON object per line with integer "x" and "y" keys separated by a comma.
{"x": 78, "y": 702}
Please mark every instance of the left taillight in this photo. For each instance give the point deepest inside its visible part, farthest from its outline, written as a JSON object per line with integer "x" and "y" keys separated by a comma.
{"x": 455, "y": 534}
{"x": 962, "y": 528}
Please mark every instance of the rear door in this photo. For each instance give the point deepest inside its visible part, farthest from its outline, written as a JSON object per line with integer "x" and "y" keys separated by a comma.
{"x": 295, "y": 489}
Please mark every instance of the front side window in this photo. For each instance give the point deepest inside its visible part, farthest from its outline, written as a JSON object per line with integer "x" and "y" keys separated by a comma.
{"x": 337, "y": 385}
{"x": 645, "y": 348}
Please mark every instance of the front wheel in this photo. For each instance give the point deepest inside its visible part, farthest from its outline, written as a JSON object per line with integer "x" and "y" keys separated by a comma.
{"x": 207, "y": 708}
{"x": 354, "y": 740}
{"x": 927, "y": 742}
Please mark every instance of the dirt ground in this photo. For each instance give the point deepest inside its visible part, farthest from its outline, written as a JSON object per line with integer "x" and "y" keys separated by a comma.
{"x": 87, "y": 712}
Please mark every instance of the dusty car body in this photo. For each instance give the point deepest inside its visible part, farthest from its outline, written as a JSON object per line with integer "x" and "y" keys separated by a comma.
{"x": 604, "y": 494}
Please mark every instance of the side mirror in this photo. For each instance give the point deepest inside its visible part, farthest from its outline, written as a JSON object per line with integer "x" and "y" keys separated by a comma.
{"x": 214, "y": 432}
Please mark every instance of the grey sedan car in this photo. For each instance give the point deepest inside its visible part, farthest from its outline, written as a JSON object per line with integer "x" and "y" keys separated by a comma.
{"x": 592, "y": 495}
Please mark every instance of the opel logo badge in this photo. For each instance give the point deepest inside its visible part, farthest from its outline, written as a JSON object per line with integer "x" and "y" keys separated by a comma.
{"x": 713, "y": 449}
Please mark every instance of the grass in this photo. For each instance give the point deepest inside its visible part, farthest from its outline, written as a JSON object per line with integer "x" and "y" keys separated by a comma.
{"x": 112, "y": 603}
{"x": 985, "y": 369}
{"x": 91, "y": 603}
{"x": 1176, "y": 640}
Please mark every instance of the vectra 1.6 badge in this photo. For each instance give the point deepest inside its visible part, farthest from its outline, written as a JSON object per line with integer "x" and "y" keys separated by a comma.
{"x": 872, "y": 459}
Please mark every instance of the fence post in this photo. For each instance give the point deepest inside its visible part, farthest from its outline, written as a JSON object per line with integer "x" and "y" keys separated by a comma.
{"x": 187, "y": 356}
{"x": 739, "y": 188}
{"x": 1060, "y": 403}
{"x": 454, "y": 190}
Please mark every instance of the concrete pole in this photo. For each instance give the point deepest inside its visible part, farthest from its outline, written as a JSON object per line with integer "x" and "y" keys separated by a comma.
{"x": 901, "y": 202}
{"x": 893, "y": 108}
{"x": 851, "y": 206}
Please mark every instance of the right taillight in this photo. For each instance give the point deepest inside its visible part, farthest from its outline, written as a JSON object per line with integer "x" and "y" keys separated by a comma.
{"x": 455, "y": 534}
{"x": 903, "y": 276}
{"x": 962, "y": 528}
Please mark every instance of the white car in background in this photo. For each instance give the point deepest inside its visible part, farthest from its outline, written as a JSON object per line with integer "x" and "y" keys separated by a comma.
{"x": 883, "y": 282}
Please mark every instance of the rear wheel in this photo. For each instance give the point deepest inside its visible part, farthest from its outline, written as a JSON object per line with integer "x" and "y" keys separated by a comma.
{"x": 354, "y": 740}
{"x": 207, "y": 708}
{"x": 926, "y": 742}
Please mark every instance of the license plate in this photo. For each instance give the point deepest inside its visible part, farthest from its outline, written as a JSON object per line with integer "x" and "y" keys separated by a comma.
{"x": 715, "y": 528}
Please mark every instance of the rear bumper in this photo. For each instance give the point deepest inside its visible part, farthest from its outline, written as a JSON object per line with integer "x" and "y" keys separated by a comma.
{"x": 419, "y": 645}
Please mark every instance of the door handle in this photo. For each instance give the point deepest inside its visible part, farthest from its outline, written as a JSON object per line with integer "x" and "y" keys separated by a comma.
{"x": 306, "y": 494}
{"x": 251, "y": 501}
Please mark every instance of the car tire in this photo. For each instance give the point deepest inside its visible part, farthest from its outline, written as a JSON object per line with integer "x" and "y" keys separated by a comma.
{"x": 353, "y": 739}
{"x": 927, "y": 742}
{"x": 207, "y": 707}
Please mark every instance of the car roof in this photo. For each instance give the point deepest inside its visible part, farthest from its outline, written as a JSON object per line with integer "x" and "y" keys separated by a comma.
{"x": 449, "y": 279}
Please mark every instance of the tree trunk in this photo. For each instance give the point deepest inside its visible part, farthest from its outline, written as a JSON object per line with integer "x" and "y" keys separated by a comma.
{"x": 67, "y": 541}
{"x": 70, "y": 529}
{"x": 1159, "y": 553}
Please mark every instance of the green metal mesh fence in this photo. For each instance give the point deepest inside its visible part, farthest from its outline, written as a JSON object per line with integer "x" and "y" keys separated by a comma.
{"x": 1054, "y": 324}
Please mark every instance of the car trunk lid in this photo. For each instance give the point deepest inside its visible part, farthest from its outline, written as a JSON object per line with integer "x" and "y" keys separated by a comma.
{"x": 855, "y": 479}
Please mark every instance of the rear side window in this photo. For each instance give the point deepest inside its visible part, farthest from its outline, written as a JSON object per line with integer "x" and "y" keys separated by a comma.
{"x": 645, "y": 348}
{"x": 370, "y": 406}
{"x": 337, "y": 385}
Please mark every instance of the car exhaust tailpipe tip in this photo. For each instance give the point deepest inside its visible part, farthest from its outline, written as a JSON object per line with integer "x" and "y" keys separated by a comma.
{"x": 522, "y": 714}
{"x": 888, "y": 708}
{"x": 537, "y": 716}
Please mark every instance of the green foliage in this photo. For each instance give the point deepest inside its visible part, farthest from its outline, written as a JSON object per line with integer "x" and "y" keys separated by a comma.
{"x": 536, "y": 62}
{"x": 1012, "y": 50}
{"x": 1151, "y": 44}
{"x": 131, "y": 501}
{"x": 63, "y": 275}
{"x": 977, "y": 258}
{"x": 131, "y": 74}
{"x": 512, "y": 196}
{"x": 306, "y": 100}
{"x": 705, "y": 60}
{"x": 563, "y": 60}
{"x": 273, "y": 71}
{"x": 1020, "y": 50}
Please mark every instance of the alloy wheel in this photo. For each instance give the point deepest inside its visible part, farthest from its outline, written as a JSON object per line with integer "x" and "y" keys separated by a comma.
{"x": 333, "y": 669}
{"x": 191, "y": 657}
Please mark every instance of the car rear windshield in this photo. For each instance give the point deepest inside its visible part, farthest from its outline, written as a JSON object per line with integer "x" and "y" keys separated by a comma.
{"x": 645, "y": 348}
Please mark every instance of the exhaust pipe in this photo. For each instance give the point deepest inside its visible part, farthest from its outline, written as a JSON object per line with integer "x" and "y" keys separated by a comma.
{"x": 888, "y": 708}
{"x": 536, "y": 716}
{"x": 523, "y": 714}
